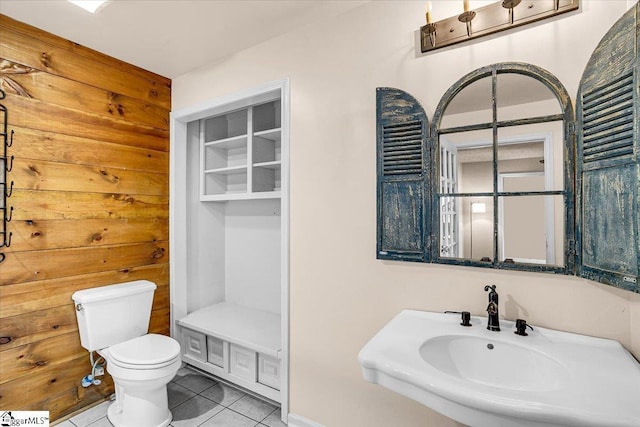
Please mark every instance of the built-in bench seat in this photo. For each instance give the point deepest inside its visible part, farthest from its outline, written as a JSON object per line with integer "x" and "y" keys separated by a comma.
{"x": 236, "y": 343}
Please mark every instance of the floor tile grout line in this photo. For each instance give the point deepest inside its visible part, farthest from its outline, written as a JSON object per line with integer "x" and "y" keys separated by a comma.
{"x": 246, "y": 416}
{"x": 220, "y": 403}
{"x": 211, "y": 400}
{"x": 212, "y": 415}
{"x": 239, "y": 413}
{"x": 269, "y": 414}
{"x": 196, "y": 392}
{"x": 274, "y": 410}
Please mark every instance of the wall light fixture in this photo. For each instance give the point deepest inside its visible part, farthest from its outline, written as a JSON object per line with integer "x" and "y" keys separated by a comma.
{"x": 490, "y": 19}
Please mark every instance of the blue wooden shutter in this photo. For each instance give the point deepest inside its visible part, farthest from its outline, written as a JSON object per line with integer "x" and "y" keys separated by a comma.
{"x": 402, "y": 190}
{"x": 608, "y": 224}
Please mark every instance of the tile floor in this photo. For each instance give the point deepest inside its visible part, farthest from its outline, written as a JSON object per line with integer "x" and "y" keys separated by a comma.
{"x": 196, "y": 400}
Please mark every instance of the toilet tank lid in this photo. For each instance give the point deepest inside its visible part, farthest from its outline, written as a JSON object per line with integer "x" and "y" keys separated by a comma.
{"x": 112, "y": 291}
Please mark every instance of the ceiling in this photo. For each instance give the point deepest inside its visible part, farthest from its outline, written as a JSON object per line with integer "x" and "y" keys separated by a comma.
{"x": 173, "y": 37}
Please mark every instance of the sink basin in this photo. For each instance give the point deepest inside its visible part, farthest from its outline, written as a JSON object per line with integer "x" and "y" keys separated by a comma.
{"x": 484, "y": 378}
{"x": 494, "y": 362}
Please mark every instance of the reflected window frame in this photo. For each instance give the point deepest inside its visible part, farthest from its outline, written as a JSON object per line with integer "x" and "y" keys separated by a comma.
{"x": 567, "y": 117}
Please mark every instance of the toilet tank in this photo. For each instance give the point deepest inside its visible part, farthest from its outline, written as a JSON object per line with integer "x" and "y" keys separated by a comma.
{"x": 109, "y": 315}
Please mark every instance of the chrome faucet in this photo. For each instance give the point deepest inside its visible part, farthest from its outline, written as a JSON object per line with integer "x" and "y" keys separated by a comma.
{"x": 493, "y": 323}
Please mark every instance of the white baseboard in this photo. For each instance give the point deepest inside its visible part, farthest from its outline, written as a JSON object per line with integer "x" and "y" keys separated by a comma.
{"x": 294, "y": 420}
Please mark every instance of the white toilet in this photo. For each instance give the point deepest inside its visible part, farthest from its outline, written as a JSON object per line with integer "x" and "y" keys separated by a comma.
{"x": 114, "y": 320}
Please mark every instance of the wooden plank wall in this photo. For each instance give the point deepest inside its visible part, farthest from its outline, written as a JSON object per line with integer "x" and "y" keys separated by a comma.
{"x": 90, "y": 203}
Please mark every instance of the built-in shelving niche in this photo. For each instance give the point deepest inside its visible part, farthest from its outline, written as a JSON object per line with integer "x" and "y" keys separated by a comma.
{"x": 229, "y": 268}
{"x": 241, "y": 153}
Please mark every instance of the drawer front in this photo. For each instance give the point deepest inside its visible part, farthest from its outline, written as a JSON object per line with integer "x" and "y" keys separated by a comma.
{"x": 216, "y": 351}
{"x": 195, "y": 345}
{"x": 242, "y": 362}
{"x": 269, "y": 371}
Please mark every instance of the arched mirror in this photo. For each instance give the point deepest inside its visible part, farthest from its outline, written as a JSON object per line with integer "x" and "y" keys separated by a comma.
{"x": 508, "y": 179}
{"x": 502, "y": 182}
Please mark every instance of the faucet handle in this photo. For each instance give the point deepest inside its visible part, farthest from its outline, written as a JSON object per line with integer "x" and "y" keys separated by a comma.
{"x": 521, "y": 327}
{"x": 466, "y": 317}
{"x": 492, "y": 287}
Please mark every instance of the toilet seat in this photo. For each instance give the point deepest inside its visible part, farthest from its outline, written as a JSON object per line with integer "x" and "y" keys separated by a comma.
{"x": 151, "y": 351}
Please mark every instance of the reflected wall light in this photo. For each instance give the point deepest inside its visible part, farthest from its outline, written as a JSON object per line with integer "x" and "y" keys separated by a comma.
{"x": 490, "y": 19}
{"x": 476, "y": 208}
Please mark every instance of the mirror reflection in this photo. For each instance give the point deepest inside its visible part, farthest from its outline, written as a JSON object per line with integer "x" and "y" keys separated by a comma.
{"x": 520, "y": 97}
{"x": 474, "y": 98}
{"x": 533, "y": 148}
{"x": 529, "y": 228}
{"x": 520, "y": 171}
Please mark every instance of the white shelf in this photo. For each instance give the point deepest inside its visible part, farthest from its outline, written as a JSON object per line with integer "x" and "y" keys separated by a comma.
{"x": 241, "y": 195}
{"x": 276, "y": 164}
{"x": 251, "y": 328}
{"x": 270, "y": 134}
{"x": 229, "y": 170}
{"x": 228, "y": 143}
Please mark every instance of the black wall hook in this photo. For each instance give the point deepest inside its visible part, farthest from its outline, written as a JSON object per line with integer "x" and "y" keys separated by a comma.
{"x": 10, "y": 193}
{"x": 6, "y": 240}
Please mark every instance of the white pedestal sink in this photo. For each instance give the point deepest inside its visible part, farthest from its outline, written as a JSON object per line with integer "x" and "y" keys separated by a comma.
{"x": 484, "y": 378}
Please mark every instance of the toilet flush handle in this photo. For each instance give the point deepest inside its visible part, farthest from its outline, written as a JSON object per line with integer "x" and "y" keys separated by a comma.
{"x": 79, "y": 307}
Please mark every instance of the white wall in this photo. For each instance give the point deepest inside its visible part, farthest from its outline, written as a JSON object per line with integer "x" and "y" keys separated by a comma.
{"x": 252, "y": 253}
{"x": 340, "y": 294}
{"x": 205, "y": 228}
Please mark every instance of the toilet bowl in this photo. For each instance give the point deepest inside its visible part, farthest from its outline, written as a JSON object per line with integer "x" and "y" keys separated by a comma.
{"x": 114, "y": 320}
{"x": 141, "y": 368}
